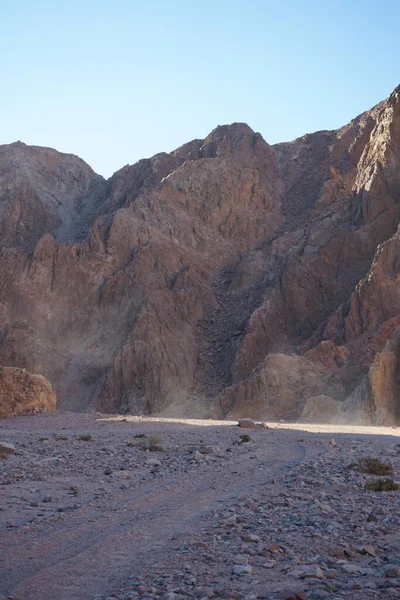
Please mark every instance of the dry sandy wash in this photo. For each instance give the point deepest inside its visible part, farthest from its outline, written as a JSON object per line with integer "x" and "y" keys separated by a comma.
{"x": 205, "y": 515}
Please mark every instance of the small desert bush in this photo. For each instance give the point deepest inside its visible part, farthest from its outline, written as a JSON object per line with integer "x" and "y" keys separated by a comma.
{"x": 84, "y": 438}
{"x": 382, "y": 485}
{"x": 141, "y": 443}
{"x": 372, "y": 466}
{"x": 155, "y": 442}
{"x": 245, "y": 438}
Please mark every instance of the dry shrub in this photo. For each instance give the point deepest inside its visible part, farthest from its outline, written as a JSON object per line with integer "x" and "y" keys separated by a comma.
{"x": 382, "y": 485}
{"x": 155, "y": 442}
{"x": 373, "y": 466}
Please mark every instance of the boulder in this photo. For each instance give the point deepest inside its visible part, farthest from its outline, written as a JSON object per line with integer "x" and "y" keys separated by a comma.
{"x": 23, "y": 393}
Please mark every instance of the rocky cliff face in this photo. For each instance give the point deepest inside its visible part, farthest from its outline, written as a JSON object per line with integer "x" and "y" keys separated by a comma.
{"x": 228, "y": 277}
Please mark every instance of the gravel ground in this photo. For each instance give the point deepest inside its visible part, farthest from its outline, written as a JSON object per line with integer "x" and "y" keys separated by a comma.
{"x": 95, "y": 507}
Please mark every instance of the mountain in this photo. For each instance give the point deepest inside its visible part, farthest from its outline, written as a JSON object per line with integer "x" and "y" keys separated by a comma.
{"x": 229, "y": 277}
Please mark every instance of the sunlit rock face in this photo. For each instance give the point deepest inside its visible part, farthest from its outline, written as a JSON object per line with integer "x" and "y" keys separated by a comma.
{"x": 227, "y": 277}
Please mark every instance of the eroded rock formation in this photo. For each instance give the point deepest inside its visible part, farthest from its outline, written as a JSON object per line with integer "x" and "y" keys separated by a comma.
{"x": 228, "y": 276}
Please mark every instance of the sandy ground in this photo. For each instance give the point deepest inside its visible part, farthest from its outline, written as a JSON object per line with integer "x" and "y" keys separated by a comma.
{"x": 203, "y": 515}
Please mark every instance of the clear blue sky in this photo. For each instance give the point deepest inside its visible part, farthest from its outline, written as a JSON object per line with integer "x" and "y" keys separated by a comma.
{"x": 118, "y": 80}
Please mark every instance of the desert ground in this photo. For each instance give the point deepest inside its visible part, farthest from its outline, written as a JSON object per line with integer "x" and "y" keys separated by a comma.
{"x": 96, "y": 506}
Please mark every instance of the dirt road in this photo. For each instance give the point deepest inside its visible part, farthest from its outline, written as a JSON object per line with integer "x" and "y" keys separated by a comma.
{"x": 83, "y": 518}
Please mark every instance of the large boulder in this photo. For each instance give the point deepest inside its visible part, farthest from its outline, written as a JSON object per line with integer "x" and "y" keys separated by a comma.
{"x": 22, "y": 393}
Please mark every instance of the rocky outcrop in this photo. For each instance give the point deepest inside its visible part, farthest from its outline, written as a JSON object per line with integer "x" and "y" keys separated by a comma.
{"x": 229, "y": 274}
{"x": 43, "y": 191}
{"x": 22, "y": 393}
{"x": 320, "y": 409}
{"x": 377, "y": 398}
{"x": 276, "y": 389}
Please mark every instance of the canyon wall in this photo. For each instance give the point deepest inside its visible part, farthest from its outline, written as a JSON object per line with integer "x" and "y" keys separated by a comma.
{"x": 229, "y": 277}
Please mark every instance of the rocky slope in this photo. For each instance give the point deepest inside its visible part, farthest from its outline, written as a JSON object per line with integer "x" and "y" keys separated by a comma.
{"x": 227, "y": 277}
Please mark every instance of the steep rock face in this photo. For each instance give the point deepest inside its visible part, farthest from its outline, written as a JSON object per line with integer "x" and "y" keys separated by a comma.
{"x": 113, "y": 320}
{"x": 320, "y": 409}
{"x": 377, "y": 398}
{"x": 276, "y": 389}
{"x": 24, "y": 393}
{"x": 228, "y": 274}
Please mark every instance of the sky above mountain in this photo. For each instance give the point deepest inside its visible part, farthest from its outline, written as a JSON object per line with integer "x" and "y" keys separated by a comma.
{"x": 117, "y": 81}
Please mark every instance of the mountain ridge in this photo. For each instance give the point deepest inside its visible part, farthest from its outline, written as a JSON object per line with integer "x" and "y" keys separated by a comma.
{"x": 210, "y": 280}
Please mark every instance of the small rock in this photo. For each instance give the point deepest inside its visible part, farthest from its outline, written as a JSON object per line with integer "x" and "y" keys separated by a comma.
{"x": 311, "y": 571}
{"x": 211, "y": 450}
{"x": 241, "y": 559}
{"x": 6, "y": 449}
{"x": 331, "y": 573}
{"x": 324, "y": 507}
{"x": 269, "y": 564}
{"x": 47, "y": 499}
{"x": 251, "y": 537}
{"x": 246, "y": 423}
{"x": 370, "y": 550}
{"x": 153, "y": 462}
{"x": 290, "y": 595}
{"x": 242, "y": 570}
{"x": 351, "y": 569}
{"x": 124, "y": 473}
{"x": 392, "y": 571}
{"x": 108, "y": 471}
{"x": 373, "y": 518}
